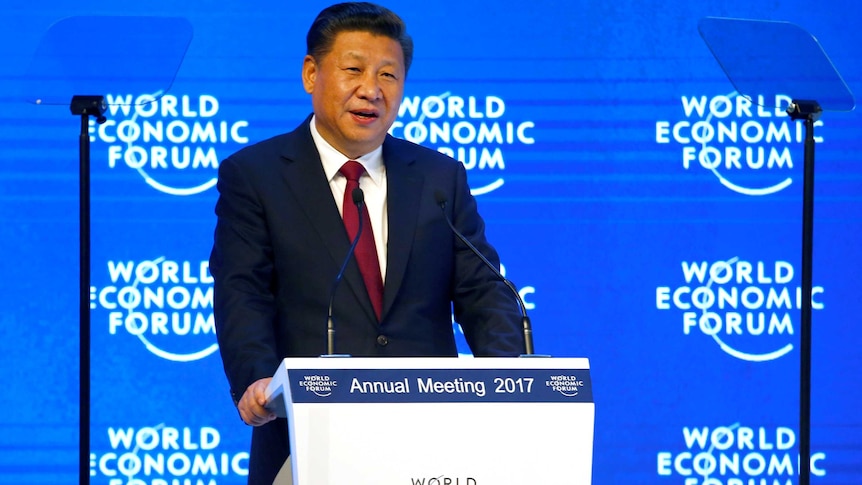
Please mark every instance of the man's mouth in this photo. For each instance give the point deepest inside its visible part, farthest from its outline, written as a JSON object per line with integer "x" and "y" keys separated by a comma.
{"x": 367, "y": 115}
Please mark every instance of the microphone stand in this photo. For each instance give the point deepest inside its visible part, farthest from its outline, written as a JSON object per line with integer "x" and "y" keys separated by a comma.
{"x": 525, "y": 320}
{"x": 358, "y": 199}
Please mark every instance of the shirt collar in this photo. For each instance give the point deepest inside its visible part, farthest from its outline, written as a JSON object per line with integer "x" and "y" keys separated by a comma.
{"x": 332, "y": 159}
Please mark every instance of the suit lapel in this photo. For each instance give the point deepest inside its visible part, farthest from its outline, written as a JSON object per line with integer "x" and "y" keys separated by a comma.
{"x": 303, "y": 173}
{"x": 404, "y": 190}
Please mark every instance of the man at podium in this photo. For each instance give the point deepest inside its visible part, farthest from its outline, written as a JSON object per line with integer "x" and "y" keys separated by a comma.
{"x": 290, "y": 207}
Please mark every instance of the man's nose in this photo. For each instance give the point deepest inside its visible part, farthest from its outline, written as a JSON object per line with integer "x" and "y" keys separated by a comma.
{"x": 369, "y": 87}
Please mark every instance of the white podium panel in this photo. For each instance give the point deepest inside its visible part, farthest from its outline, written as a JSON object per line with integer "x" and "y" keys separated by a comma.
{"x": 437, "y": 421}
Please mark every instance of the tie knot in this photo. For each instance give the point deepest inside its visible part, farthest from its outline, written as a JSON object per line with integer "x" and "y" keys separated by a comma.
{"x": 352, "y": 170}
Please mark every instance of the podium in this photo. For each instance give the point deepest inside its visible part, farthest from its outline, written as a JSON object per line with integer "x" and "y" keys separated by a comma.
{"x": 436, "y": 421}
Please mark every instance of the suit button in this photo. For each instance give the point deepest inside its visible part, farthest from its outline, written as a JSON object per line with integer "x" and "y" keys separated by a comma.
{"x": 382, "y": 340}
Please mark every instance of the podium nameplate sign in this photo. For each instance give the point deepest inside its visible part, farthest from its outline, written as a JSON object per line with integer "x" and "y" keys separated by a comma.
{"x": 437, "y": 421}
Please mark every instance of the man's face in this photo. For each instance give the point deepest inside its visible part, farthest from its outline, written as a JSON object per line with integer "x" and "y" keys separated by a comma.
{"x": 356, "y": 89}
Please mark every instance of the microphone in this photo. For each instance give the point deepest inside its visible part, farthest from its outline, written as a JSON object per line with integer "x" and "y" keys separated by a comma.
{"x": 440, "y": 197}
{"x": 358, "y": 199}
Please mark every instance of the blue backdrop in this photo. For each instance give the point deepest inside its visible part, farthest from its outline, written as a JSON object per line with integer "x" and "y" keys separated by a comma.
{"x": 650, "y": 217}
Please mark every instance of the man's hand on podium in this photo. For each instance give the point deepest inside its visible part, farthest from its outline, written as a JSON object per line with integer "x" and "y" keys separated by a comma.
{"x": 251, "y": 404}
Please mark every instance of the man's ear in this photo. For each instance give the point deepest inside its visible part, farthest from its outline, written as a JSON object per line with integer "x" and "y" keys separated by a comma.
{"x": 309, "y": 73}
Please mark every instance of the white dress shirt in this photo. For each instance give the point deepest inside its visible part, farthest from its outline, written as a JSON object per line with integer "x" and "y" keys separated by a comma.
{"x": 372, "y": 183}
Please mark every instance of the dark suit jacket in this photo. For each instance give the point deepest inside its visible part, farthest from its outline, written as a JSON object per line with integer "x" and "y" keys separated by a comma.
{"x": 280, "y": 241}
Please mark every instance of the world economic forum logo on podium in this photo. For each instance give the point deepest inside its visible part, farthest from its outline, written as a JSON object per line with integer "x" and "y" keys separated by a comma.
{"x": 567, "y": 385}
{"x": 444, "y": 480}
{"x": 320, "y": 385}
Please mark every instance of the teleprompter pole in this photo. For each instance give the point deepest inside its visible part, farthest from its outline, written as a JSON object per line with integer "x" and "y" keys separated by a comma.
{"x": 85, "y": 106}
{"x": 808, "y": 112}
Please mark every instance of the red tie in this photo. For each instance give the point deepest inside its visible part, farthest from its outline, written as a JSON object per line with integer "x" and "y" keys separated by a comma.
{"x": 366, "y": 251}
